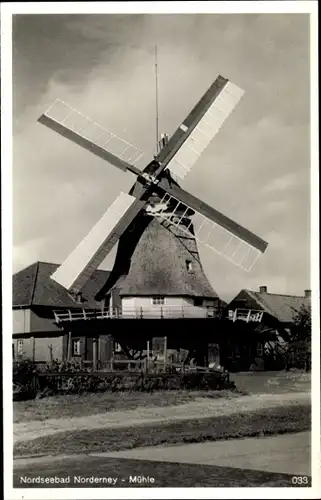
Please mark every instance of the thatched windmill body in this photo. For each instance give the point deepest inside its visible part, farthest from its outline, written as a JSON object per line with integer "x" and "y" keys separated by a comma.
{"x": 157, "y": 271}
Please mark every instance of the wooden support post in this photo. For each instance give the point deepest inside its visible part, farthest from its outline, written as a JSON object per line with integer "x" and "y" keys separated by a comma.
{"x": 33, "y": 349}
{"x": 165, "y": 353}
{"x": 69, "y": 347}
{"x": 148, "y": 354}
{"x": 95, "y": 354}
{"x": 50, "y": 353}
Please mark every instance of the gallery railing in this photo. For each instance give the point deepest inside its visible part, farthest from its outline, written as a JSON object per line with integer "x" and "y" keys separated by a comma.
{"x": 166, "y": 312}
{"x": 248, "y": 315}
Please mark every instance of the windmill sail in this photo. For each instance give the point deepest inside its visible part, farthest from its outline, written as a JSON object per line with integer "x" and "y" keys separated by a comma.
{"x": 215, "y": 230}
{"x": 178, "y": 155}
{"x": 205, "y": 130}
{"x": 185, "y": 129}
{"x": 85, "y": 132}
{"x": 89, "y": 254}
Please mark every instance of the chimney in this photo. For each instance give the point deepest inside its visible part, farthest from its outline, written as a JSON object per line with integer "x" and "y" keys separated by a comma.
{"x": 307, "y": 293}
{"x": 263, "y": 289}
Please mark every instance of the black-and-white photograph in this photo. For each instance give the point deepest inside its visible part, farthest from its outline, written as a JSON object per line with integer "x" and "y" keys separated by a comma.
{"x": 162, "y": 247}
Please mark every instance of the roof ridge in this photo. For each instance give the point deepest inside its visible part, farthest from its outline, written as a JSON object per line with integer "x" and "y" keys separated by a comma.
{"x": 279, "y": 294}
{"x": 259, "y": 301}
{"x": 34, "y": 284}
{"x": 46, "y": 262}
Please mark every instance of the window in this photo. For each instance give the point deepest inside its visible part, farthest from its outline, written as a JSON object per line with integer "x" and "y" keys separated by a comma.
{"x": 117, "y": 347}
{"x": 158, "y": 301}
{"x": 198, "y": 302}
{"x": 20, "y": 347}
{"x": 76, "y": 347}
{"x": 189, "y": 265}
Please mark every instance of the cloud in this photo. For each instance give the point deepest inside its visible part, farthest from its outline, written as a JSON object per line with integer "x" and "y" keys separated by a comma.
{"x": 256, "y": 170}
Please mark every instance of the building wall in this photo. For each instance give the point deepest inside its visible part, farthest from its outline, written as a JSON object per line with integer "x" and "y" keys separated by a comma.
{"x": 29, "y": 321}
{"x": 38, "y": 348}
{"x": 42, "y": 324}
{"x": 21, "y": 320}
{"x": 42, "y": 348}
{"x": 172, "y": 306}
{"x": 22, "y": 347}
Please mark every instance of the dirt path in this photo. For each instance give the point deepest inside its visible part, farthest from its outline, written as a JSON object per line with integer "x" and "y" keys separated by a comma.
{"x": 200, "y": 408}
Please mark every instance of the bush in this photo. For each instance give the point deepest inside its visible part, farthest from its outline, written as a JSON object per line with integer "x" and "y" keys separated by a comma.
{"x": 133, "y": 382}
{"x": 70, "y": 382}
{"x": 24, "y": 379}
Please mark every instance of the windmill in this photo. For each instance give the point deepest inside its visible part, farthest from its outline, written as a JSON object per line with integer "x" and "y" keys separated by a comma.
{"x": 156, "y": 191}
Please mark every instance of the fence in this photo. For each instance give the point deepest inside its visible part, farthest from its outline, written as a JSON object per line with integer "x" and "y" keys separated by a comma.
{"x": 137, "y": 369}
{"x": 128, "y": 366}
{"x": 116, "y": 375}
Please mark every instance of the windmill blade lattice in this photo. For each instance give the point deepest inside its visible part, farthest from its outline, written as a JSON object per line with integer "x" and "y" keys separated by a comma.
{"x": 70, "y": 119}
{"x": 90, "y": 253}
{"x": 210, "y": 234}
{"x": 205, "y": 131}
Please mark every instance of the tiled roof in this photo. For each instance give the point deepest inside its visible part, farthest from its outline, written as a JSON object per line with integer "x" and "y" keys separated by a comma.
{"x": 282, "y": 307}
{"x": 33, "y": 286}
{"x": 157, "y": 263}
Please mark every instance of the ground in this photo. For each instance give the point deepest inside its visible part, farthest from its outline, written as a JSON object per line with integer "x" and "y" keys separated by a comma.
{"x": 68, "y": 406}
{"x": 73, "y": 405}
{"x": 166, "y": 474}
{"x": 275, "y": 404}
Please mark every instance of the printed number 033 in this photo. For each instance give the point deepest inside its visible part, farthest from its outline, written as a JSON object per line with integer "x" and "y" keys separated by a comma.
{"x": 300, "y": 480}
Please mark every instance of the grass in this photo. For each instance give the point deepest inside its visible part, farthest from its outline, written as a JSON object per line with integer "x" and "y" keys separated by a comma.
{"x": 272, "y": 421}
{"x": 278, "y": 382}
{"x": 68, "y": 406}
{"x": 165, "y": 474}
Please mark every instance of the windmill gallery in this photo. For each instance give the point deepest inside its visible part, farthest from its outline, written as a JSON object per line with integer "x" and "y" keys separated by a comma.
{"x": 157, "y": 288}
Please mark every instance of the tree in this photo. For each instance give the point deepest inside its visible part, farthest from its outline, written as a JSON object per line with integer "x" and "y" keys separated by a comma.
{"x": 299, "y": 346}
{"x": 302, "y": 325}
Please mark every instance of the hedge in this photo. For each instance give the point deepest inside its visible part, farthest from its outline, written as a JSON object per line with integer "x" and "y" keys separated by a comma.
{"x": 62, "y": 379}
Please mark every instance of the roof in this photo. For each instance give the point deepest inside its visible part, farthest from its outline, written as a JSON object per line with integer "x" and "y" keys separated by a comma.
{"x": 163, "y": 260}
{"x": 32, "y": 286}
{"x": 282, "y": 307}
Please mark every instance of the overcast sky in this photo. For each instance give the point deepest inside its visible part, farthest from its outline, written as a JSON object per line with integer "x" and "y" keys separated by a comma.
{"x": 256, "y": 170}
